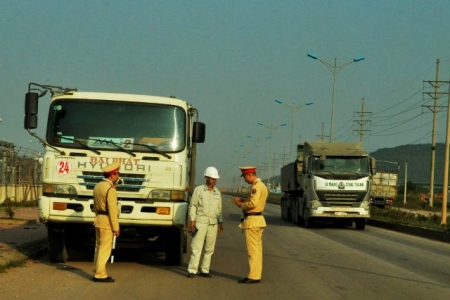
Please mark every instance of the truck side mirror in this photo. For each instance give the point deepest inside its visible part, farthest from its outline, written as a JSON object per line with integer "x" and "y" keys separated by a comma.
{"x": 305, "y": 168}
{"x": 31, "y": 110}
{"x": 373, "y": 165}
{"x": 198, "y": 135}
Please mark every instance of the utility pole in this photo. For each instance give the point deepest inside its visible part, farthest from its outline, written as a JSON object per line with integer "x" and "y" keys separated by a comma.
{"x": 447, "y": 149}
{"x": 434, "y": 109}
{"x": 405, "y": 188}
{"x": 284, "y": 157}
{"x": 361, "y": 120}
{"x": 322, "y": 136}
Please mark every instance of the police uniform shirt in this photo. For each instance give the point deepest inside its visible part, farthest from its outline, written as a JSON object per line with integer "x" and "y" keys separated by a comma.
{"x": 255, "y": 204}
{"x": 101, "y": 204}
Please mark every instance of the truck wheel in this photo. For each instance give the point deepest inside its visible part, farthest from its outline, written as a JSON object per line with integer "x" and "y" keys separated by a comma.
{"x": 57, "y": 250}
{"x": 308, "y": 222}
{"x": 69, "y": 244}
{"x": 288, "y": 211}
{"x": 360, "y": 224}
{"x": 283, "y": 209}
{"x": 294, "y": 212}
{"x": 174, "y": 248}
{"x": 294, "y": 216}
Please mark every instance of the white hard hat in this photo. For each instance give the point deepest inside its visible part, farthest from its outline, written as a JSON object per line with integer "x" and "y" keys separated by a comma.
{"x": 211, "y": 172}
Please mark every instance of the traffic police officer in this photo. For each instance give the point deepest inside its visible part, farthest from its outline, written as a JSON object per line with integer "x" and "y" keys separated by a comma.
{"x": 253, "y": 223}
{"x": 106, "y": 220}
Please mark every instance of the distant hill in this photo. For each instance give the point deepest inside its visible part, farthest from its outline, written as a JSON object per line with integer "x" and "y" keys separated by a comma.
{"x": 418, "y": 158}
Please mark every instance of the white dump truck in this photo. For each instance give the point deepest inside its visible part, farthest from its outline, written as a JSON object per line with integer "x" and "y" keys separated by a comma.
{"x": 154, "y": 139}
{"x": 329, "y": 181}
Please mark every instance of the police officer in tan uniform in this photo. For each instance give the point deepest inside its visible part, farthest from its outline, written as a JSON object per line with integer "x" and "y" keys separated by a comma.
{"x": 106, "y": 220}
{"x": 253, "y": 223}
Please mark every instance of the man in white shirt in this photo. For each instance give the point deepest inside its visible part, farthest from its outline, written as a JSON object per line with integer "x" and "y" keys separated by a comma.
{"x": 205, "y": 213}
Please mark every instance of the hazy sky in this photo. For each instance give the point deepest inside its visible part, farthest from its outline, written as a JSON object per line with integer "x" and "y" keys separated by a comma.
{"x": 231, "y": 60}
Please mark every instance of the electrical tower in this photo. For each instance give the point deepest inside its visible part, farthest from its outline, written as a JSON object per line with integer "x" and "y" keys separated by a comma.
{"x": 361, "y": 119}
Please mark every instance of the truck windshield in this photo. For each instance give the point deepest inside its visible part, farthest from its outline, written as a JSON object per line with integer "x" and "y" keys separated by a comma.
{"x": 94, "y": 124}
{"x": 341, "y": 165}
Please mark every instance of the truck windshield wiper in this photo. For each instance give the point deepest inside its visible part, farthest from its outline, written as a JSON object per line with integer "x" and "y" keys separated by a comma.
{"x": 118, "y": 146}
{"x": 44, "y": 143}
{"x": 83, "y": 144}
{"x": 154, "y": 149}
{"x": 324, "y": 171}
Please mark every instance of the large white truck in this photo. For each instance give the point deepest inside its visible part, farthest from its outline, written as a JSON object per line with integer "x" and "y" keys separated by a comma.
{"x": 154, "y": 139}
{"x": 329, "y": 181}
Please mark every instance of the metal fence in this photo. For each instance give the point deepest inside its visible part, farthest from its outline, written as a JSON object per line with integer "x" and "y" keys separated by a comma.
{"x": 20, "y": 173}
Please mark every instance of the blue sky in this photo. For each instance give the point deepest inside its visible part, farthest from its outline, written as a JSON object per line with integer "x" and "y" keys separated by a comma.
{"x": 231, "y": 60}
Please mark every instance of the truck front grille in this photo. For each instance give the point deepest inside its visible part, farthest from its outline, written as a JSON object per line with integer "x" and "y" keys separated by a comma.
{"x": 131, "y": 182}
{"x": 330, "y": 199}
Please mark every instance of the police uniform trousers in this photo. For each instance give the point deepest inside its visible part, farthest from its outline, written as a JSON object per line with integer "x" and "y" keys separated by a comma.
{"x": 253, "y": 241}
{"x": 103, "y": 247}
{"x": 206, "y": 236}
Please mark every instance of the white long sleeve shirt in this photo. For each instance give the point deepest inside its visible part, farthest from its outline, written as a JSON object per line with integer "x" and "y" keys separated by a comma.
{"x": 206, "y": 205}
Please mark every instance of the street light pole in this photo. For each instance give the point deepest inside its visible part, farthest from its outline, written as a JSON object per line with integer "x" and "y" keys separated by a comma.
{"x": 272, "y": 129}
{"x": 334, "y": 70}
{"x": 293, "y": 110}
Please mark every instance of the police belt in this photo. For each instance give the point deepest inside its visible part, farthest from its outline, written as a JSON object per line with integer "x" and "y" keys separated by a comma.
{"x": 102, "y": 213}
{"x": 252, "y": 214}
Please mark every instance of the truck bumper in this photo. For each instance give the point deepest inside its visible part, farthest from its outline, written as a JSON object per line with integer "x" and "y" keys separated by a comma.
{"x": 64, "y": 210}
{"x": 340, "y": 212}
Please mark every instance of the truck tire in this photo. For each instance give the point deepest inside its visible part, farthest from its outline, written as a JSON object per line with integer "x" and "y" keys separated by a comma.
{"x": 294, "y": 216}
{"x": 287, "y": 211}
{"x": 296, "y": 209}
{"x": 287, "y": 216}
{"x": 57, "y": 250}
{"x": 308, "y": 222}
{"x": 174, "y": 248}
{"x": 360, "y": 224}
{"x": 294, "y": 212}
{"x": 283, "y": 209}
{"x": 70, "y": 239}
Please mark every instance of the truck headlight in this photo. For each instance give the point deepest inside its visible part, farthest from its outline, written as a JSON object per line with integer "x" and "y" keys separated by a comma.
{"x": 166, "y": 195}
{"x": 64, "y": 190}
{"x": 365, "y": 204}
{"x": 315, "y": 204}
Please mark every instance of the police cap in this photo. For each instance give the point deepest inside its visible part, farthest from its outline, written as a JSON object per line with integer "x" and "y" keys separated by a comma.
{"x": 112, "y": 168}
{"x": 246, "y": 170}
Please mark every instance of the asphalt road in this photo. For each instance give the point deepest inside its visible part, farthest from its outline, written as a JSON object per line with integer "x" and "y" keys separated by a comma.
{"x": 319, "y": 263}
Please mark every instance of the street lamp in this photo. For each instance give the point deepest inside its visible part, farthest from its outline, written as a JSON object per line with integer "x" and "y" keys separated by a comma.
{"x": 293, "y": 110}
{"x": 334, "y": 70}
{"x": 272, "y": 129}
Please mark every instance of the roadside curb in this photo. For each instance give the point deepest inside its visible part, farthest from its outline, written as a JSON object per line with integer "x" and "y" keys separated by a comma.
{"x": 437, "y": 235}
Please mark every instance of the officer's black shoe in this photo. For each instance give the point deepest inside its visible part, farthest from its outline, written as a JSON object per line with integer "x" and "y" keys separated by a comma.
{"x": 248, "y": 280}
{"x": 207, "y": 275}
{"x": 107, "y": 279}
{"x": 191, "y": 275}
